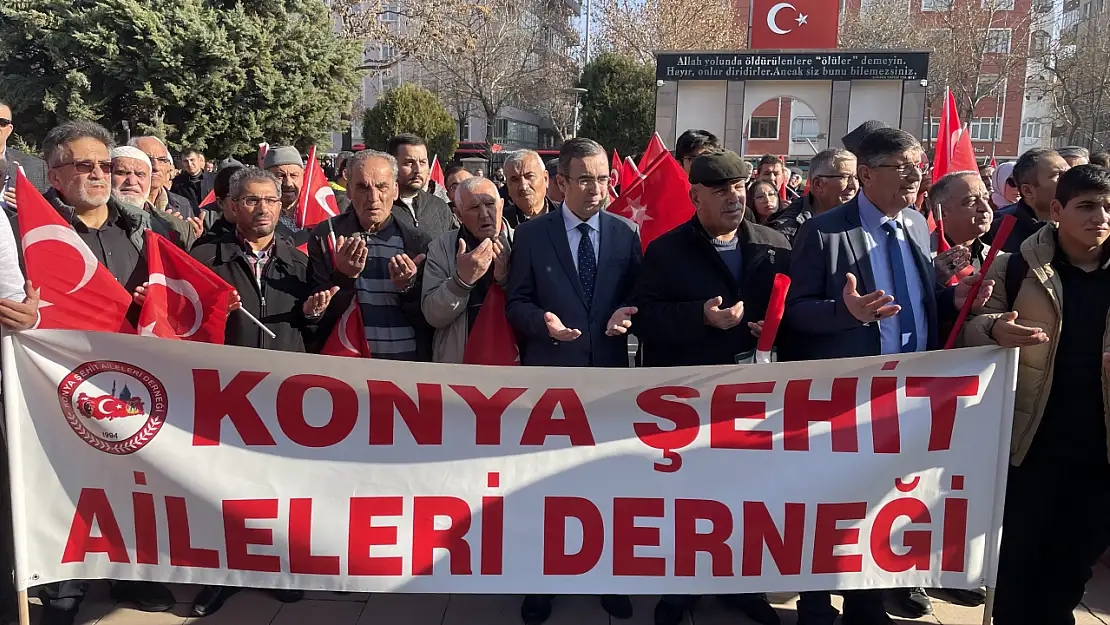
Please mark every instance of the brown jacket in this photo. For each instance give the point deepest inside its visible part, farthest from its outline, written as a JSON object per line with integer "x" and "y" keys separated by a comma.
{"x": 1038, "y": 305}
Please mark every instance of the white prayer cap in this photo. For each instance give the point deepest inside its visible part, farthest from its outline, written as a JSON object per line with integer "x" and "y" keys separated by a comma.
{"x": 126, "y": 151}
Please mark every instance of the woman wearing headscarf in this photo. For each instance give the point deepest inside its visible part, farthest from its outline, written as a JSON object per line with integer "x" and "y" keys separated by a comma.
{"x": 1003, "y": 192}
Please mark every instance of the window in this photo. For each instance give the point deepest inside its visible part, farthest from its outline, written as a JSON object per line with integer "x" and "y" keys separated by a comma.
{"x": 516, "y": 133}
{"x": 764, "y": 128}
{"x": 998, "y": 41}
{"x": 932, "y": 129}
{"x": 936, "y": 5}
{"x": 1042, "y": 6}
{"x": 985, "y": 129}
{"x": 802, "y": 128}
{"x": 1039, "y": 42}
{"x": 990, "y": 85}
{"x": 998, "y": 5}
{"x": 1030, "y": 130}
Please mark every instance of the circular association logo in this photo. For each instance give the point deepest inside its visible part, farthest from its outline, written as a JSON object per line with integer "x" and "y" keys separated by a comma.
{"x": 113, "y": 406}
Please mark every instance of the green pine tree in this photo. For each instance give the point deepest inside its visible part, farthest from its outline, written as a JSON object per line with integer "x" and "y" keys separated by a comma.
{"x": 618, "y": 110}
{"x": 409, "y": 108}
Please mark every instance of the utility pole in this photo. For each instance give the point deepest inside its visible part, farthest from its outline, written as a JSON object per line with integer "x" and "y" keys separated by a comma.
{"x": 589, "y": 14}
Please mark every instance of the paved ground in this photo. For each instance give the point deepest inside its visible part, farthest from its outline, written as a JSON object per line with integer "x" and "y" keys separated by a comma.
{"x": 321, "y": 608}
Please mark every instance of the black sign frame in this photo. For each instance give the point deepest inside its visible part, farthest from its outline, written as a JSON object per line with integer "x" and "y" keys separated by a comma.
{"x": 793, "y": 65}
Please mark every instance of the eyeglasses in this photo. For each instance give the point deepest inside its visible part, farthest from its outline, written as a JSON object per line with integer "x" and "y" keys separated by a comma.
{"x": 252, "y": 201}
{"x": 904, "y": 170}
{"x": 5, "y": 122}
{"x": 86, "y": 167}
{"x": 837, "y": 176}
{"x": 165, "y": 160}
{"x": 586, "y": 181}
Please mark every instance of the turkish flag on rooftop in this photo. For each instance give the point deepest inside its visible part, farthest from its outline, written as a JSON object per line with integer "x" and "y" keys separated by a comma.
{"x": 184, "y": 299}
{"x": 794, "y": 24}
{"x": 77, "y": 292}
{"x": 658, "y": 201}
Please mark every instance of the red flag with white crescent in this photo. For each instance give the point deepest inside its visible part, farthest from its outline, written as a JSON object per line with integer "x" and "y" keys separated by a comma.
{"x": 658, "y": 200}
{"x": 954, "y": 150}
{"x": 77, "y": 292}
{"x": 348, "y": 337}
{"x": 654, "y": 149}
{"x": 436, "y": 172}
{"x": 184, "y": 299}
{"x": 317, "y": 201}
{"x": 262, "y": 149}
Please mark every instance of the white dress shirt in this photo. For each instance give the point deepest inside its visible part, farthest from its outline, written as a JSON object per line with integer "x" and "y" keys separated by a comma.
{"x": 574, "y": 236}
{"x": 11, "y": 278}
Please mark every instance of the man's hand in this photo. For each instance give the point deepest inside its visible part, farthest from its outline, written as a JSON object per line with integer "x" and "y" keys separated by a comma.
{"x": 950, "y": 263}
{"x": 1009, "y": 334}
{"x": 9, "y": 199}
{"x": 500, "y": 262}
{"x": 21, "y": 315}
{"x": 620, "y": 322}
{"x": 350, "y": 256}
{"x": 139, "y": 296}
{"x": 197, "y": 223}
{"x": 317, "y": 303}
{"x": 963, "y": 289}
{"x": 719, "y": 318}
{"x": 234, "y": 302}
{"x": 402, "y": 270}
{"x": 558, "y": 331}
{"x": 756, "y": 328}
{"x": 471, "y": 266}
{"x": 867, "y": 308}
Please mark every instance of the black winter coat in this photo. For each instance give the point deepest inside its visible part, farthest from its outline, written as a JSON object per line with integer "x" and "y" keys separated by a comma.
{"x": 277, "y": 303}
{"x": 680, "y": 272}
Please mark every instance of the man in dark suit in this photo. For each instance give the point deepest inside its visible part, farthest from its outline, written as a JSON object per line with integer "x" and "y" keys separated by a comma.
{"x": 878, "y": 245}
{"x": 193, "y": 183}
{"x": 34, "y": 168}
{"x": 573, "y": 271}
{"x": 570, "y": 279}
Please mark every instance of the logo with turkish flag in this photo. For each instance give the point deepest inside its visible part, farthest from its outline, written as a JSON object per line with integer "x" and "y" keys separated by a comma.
{"x": 78, "y": 293}
{"x": 348, "y": 337}
{"x": 794, "y": 25}
{"x": 184, "y": 299}
{"x": 658, "y": 201}
{"x": 491, "y": 340}
{"x": 317, "y": 201}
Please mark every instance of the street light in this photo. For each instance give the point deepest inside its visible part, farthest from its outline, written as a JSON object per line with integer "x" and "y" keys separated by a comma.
{"x": 577, "y": 92}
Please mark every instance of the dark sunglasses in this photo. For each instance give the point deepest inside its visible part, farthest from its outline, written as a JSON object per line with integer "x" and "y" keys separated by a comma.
{"x": 86, "y": 167}
{"x": 5, "y": 122}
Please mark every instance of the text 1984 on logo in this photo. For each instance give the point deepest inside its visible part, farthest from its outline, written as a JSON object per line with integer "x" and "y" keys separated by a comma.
{"x": 113, "y": 406}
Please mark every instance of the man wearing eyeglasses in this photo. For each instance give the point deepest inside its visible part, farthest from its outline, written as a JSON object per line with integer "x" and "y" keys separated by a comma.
{"x": 863, "y": 284}
{"x": 832, "y": 182}
{"x": 33, "y": 168}
{"x": 161, "y": 176}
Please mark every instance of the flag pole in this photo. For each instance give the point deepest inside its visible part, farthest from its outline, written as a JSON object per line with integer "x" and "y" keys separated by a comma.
{"x": 256, "y": 322}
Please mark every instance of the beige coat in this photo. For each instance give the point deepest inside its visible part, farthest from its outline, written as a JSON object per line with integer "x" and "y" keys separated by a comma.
{"x": 1038, "y": 304}
{"x": 444, "y": 299}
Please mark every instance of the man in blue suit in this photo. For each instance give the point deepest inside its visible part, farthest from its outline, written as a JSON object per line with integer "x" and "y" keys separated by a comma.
{"x": 570, "y": 278}
{"x": 878, "y": 245}
{"x": 572, "y": 271}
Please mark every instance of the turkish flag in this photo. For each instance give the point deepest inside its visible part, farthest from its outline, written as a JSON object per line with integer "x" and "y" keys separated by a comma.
{"x": 654, "y": 149}
{"x": 794, "y": 24}
{"x": 954, "y": 151}
{"x": 437, "y": 172}
{"x": 209, "y": 199}
{"x": 184, "y": 299}
{"x": 348, "y": 337}
{"x": 658, "y": 201}
{"x": 77, "y": 292}
{"x": 316, "y": 202}
{"x": 994, "y": 163}
{"x": 491, "y": 340}
{"x": 262, "y": 149}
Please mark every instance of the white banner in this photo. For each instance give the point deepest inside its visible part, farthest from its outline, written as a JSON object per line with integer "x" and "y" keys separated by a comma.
{"x": 139, "y": 458}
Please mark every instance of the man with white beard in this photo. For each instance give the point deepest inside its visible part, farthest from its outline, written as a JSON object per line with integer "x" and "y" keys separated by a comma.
{"x": 131, "y": 176}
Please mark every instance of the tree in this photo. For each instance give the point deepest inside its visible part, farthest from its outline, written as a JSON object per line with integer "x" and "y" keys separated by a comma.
{"x": 880, "y": 24}
{"x": 638, "y": 28}
{"x": 618, "y": 109}
{"x": 1075, "y": 81}
{"x": 504, "y": 53}
{"x": 216, "y": 75}
{"x": 409, "y": 108}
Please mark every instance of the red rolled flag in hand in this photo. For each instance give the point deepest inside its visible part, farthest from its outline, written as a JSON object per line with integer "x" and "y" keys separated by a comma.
{"x": 999, "y": 240}
{"x": 772, "y": 319}
{"x": 491, "y": 340}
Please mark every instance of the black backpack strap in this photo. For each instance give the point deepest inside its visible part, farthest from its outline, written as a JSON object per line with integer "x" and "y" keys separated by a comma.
{"x": 1016, "y": 268}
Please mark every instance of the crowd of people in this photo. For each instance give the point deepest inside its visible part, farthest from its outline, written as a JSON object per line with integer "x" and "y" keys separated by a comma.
{"x": 858, "y": 242}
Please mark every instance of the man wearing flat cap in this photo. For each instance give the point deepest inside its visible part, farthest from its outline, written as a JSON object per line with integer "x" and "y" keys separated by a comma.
{"x": 285, "y": 163}
{"x": 701, "y": 297}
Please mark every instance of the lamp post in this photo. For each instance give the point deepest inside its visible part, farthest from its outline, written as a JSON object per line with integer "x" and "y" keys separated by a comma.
{"x": 578, "y": 92}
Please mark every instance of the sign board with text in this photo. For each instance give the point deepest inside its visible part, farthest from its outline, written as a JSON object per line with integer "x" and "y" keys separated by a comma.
{"x": 831, "y": 65}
